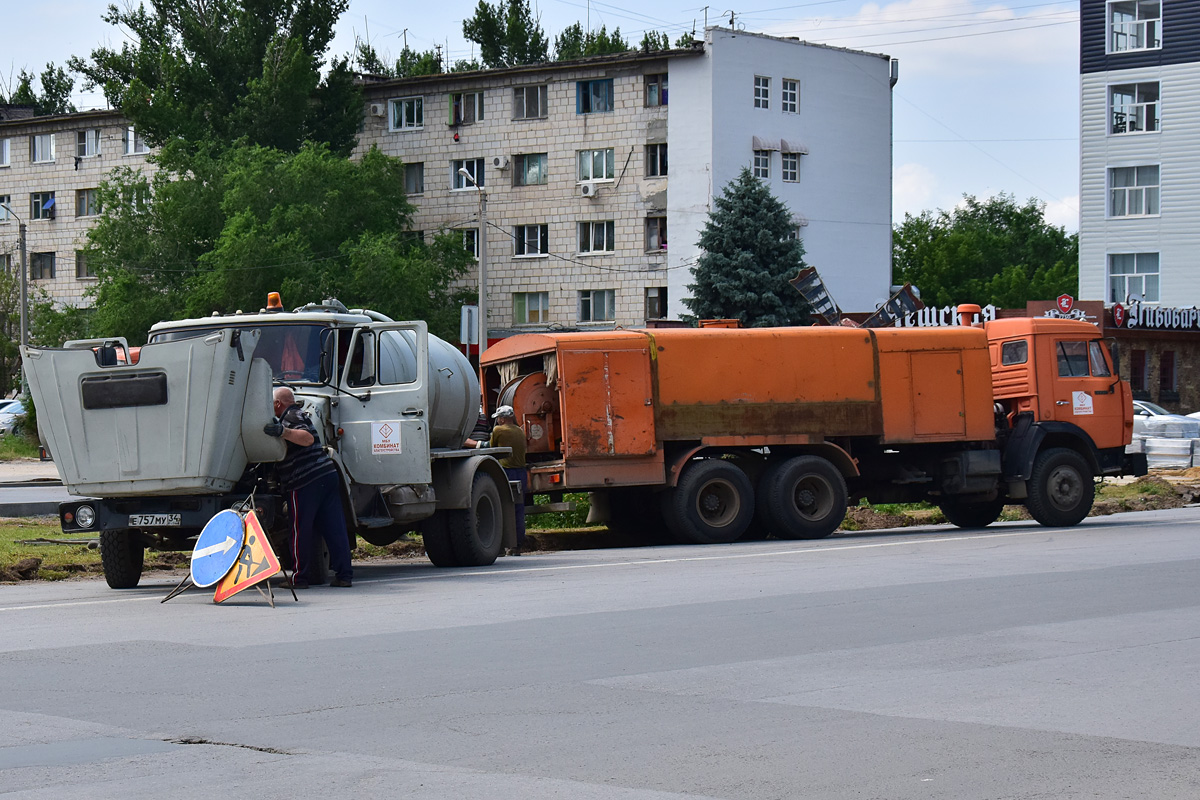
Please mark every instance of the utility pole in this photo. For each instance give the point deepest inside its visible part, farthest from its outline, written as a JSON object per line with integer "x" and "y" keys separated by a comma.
{"x": 483, "y": 226}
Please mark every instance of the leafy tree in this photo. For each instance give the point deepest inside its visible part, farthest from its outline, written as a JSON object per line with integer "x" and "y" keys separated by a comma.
{"x": 686, "y": 39}
{"x": 507, "y": 34}
{"x": 55, "y": 94}
{"x": 221, "y": 229}
{"x": 654, "y": 40}
{"x": 411, "y": 63}
{"x": 574, "y": 43}
{"x": 221, "y": 70}
{"x": 748, "y": 259}
{"x": 992, "y": 251}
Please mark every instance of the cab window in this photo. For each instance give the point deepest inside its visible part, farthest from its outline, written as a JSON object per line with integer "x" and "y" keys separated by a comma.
{"x": 1099, "y": 365}
{"x": 397, "y": 357}
{"x": 1072, "y": 360}
{"x": 1012, "y": 353}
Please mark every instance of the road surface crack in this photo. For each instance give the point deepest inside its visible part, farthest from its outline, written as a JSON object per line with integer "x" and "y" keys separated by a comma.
{"x": 199, "y": 740}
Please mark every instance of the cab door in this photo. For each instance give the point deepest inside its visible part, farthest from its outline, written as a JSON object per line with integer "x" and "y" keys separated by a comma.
{"x": 383, "y": 412}
{"x": 1086, "y": 391}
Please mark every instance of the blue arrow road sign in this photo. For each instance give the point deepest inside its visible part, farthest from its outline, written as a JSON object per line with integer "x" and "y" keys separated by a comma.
{"x": 217, "y": 548}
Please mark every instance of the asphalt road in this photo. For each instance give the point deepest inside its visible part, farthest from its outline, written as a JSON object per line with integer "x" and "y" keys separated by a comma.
{"x": 1016, "y": 662}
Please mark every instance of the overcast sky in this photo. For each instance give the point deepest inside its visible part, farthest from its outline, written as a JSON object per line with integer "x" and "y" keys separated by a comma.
{"x": 988, "y": 98}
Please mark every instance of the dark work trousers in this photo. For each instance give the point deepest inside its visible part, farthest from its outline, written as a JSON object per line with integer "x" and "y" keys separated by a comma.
{"x": 319, "y": 505}
{"x": 522, "y": 475}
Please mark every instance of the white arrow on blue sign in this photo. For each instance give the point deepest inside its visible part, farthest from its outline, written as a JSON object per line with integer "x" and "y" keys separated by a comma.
{"x": 217, "y": 548}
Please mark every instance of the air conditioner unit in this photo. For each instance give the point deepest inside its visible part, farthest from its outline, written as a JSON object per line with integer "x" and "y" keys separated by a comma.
{"x": 500, "y": 162}
{"x": 588, "y": 190}
{"x": 378, "y": 110}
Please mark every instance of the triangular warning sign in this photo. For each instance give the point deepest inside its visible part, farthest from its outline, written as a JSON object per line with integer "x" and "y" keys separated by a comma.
{"x": 256, "y": 563}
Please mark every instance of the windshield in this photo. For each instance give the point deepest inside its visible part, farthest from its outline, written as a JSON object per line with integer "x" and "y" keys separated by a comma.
{"x": 1153, "y": 409}
{"x": 293, "y": 351}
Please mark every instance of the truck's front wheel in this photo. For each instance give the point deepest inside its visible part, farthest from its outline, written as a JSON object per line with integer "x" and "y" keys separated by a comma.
{"x": 1061, "y": 488}
{"x": 435, "y": 532}
{"x": 122, "y": 554}
{"x": 713, "y": 503}
{"x": 477, "y": 532}
{"x": 805, "y": 498}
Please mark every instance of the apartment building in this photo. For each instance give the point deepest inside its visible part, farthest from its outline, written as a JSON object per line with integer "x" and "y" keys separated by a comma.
{"x": 50, "y": 168}
{"x": 1139, "y": 225}
{"x": 599, "y": 174}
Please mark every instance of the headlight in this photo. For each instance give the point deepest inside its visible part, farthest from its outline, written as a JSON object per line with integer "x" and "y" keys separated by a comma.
{"x": 85, "y": 516}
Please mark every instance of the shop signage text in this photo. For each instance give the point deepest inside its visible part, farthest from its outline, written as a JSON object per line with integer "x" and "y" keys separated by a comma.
{"x": 944, "y": 317}
{"x": 1139, "y": 315}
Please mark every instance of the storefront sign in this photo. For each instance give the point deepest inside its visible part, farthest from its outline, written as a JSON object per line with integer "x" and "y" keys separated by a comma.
{"x": 1140, "y": 315}
{"x": 944, "y": 317}
{"x": 1065, "y": 307}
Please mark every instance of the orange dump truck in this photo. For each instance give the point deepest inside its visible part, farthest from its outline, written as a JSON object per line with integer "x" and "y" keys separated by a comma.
{"x": 725, "y": 432}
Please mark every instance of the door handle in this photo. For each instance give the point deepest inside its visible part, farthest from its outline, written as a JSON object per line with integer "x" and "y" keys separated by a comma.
{"x": 412, "y": 412}
{"x": 1062, "y": 402}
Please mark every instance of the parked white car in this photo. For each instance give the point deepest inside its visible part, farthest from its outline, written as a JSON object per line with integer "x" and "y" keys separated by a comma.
{"x": 12, "y": 416}
{"x": 1154, "y": 421}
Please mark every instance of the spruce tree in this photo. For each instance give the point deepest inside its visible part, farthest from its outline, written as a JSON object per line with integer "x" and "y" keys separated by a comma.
{"x": 748, "y": 258}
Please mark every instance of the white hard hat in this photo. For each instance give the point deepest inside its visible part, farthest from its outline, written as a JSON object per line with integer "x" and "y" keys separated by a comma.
{"x": 504, "y": 411}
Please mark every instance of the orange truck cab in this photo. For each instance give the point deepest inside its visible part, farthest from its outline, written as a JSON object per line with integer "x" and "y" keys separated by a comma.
{"x": 718, "y": 433}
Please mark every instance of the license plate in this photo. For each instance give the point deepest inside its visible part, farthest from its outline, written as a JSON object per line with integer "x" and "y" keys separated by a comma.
{"x": 155, "y": 520}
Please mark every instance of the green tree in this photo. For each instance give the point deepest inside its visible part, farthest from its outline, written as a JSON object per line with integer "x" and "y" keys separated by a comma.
{"x": 574, "y": 43}
{"x": 993, "y": 251}
{"x": 748, "y": 257}
{"x": 221, "y": 70}
{"x": 686, "y": 39}
{"x": 654, "y": 40}
{"x": 507, "y": 34}
{"x": 410, "y": 64}
{"x": 54, "y": 97}
{"x": 224, "y": 228}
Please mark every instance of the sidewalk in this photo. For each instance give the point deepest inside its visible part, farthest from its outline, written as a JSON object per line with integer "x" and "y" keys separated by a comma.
{"x": 27, "y": 469}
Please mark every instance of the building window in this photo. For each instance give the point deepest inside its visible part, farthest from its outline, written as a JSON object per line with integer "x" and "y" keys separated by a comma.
{"x": 474, "y": 168}
{"x": 529, "y": 169}
{"x": 41, "y": 266}
{"x": 596, "y": 165}
{"x": 762, "y": 163}
{"x": 6, "y": 263}
{"x": 135, "y": 143}
{"x": 656, "y": 302}
{"x": 1134, "y": 107}
{"x": 656, "y": 234}
{"x": 466, "y": 108}
{"x": 83, "y": 271}
{"x": 762, "y": 92}
{"x": 529, "y": 102}
{"x": 41, "y": 205}
{"x": 408, "y": 114}
{"x": 596, "y": 305}
{"x": 790, "y": 171}
{"x": 1167, "y": 378}
{"x": 596, "y": 237}
{"x": 5, "y": 153}
{"x": 531, "y": 240}
{"x": 789, "y": 96}
{"x": 87, "y": 143}
{"x": 1133, "y": 275}
{"x": 1138, "y": 379}
{"x": 531, "y": 307}
{"x": 656, "y": 160}
{"x": 5, "y": 203}
{"x": 656, "y": 90}
{"x": 471, "y": 241}
{"x": 414, "y": 178}
{"x": 87, "y": 202}
{"x": 41, "y": 147}
{"x": 1133, "y": 191}
{"x": 1134, "y": 25}
{"x": 592, "y": 97}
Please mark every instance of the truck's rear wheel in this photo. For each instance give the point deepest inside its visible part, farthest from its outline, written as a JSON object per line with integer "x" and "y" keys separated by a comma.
{"x": 435, "y": 532}
{"x": 713, "y": 503}
{"x": 122, "y": 554}
{"x": 477, "y": 532}
{"x": 971, "y": 515}
{"x": 1061, "y": 488}
{"x": 806, "y": 498}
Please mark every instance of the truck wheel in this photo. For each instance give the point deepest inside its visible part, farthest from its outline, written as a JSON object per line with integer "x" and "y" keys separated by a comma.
{"x": 1061, "y": 488}
{"x": 971, "y": 515}
{"x": 806, "y": 498}
{"x": 713, "y": 503}
{"x": 435, "y": 532}
{"x": 477, "y": 532}
{"x": 122, "y": 554}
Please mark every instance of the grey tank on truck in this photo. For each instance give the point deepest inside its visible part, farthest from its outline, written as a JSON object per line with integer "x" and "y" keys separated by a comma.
{"x": 159, "y": 439}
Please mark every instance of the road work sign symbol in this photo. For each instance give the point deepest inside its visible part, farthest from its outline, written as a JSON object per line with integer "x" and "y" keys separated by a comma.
{"x": 217, "y": 548}
{"x": 385, "y": 438}
{"x": 256, "y": 563}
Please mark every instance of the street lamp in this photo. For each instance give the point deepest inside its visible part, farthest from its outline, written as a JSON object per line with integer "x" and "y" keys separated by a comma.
{"x": 24, "y": 283}
{"x": 482, "y": 333}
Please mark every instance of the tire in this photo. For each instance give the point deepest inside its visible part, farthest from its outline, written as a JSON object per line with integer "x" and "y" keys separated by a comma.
{"x": 435, "y": 533}
{"x": 1061, "y": 488}
{"x": 713, "y": 503}
{"x": 806, "y": 498}
{"x": 477, "y": 532}
{"x": 122, "y": 555}
{"x": 972, "y": 515}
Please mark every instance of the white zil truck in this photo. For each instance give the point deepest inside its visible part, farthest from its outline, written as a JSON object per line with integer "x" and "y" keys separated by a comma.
{"x": 156, "y": 442}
